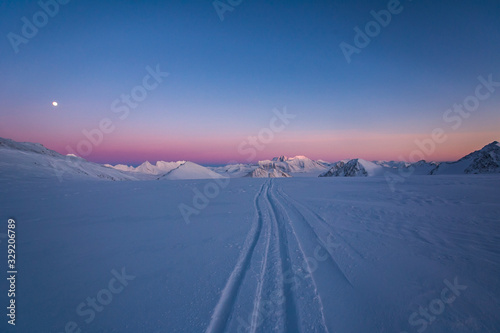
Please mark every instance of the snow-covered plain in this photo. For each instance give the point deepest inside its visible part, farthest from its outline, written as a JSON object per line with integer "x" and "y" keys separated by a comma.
{"x": 264, "y": 255}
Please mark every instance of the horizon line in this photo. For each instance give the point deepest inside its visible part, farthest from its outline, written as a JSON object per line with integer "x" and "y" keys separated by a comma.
{"x": 135, "y": 162}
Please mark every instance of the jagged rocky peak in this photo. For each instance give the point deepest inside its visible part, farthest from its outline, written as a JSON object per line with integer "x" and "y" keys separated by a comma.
{"x": 281, "y": 158}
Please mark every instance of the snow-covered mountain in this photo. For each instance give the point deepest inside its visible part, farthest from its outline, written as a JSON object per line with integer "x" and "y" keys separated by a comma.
{"x": 486, "y": 160}
{"x": 189, "y": 170}
{"x": 234, "y": 170}
{"x": 392, "y": 164}
{"x": 354, "y": 168}
{"x": 277, "y": 167}
{"x": 420, "y": 168}
{"x": 250, "y": 170}
{"x": 160, "y": 168}
{"x": 267, "y": 173}
{"x": 171, "y": 170}
{"x": 25, "y": 159}
{"x": 121, "y": 167}
{"x": 361, "y": 168}
{"x": 33, "y": 160}
{"x": 297, "y": 164}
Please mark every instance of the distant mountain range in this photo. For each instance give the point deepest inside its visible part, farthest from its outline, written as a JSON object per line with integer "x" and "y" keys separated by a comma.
{"x": 278, "y": 167}
{"x": 486, "y": 160}
{"x": 354, "y": 168}
{"x": 25, "y": 159}
{"x": 169, "y": 170}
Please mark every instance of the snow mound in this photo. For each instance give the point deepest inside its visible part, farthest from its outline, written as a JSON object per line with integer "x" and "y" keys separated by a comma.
{"x": 190, "y": 170}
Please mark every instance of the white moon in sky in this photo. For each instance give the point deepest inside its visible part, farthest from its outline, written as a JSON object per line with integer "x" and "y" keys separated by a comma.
{"x": 54, "y": 103}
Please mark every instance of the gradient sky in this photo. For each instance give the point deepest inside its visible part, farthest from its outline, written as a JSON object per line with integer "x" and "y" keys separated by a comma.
{"x": 226, "y": 77}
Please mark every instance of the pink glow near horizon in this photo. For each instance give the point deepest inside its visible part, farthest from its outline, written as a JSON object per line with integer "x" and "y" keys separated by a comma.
{"x": 122, "y": 148}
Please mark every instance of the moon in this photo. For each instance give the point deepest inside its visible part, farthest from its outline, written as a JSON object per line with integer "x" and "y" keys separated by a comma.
{"x": 54, "y": 103}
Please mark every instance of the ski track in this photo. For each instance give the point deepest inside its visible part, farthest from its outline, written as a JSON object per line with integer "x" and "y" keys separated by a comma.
{"x": 286, "y": 238}
{"x": 262, "y": 278}
{"x": 316, "y": 298}
{"x": 291, "y": 321}
{"x": 229, "y": 294}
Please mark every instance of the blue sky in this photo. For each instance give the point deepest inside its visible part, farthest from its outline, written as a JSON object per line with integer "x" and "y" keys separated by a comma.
{"x": 226, "y": 77}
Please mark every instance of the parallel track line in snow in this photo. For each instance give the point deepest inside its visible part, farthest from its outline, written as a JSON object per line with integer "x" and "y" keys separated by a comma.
{"x": 262, "y": 277}
{"x": 224, "y": 307}
{"x": 274, "y": 202}
{"x": 290, "y": 309}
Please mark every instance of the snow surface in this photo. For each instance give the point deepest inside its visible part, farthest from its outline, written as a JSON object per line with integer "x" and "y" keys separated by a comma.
{"x": 264, "y": 255}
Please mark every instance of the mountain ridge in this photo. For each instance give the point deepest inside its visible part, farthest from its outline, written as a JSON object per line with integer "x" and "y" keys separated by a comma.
{"x": 33, "y": 159}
